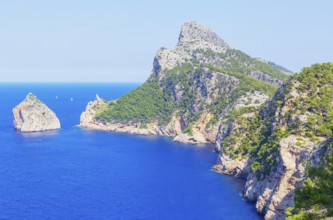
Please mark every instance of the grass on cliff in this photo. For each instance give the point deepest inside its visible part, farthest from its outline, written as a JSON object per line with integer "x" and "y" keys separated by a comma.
{"x": 238, "y": 61}
{"x": 146, "y": 104}
{"x": 246, "y": 136}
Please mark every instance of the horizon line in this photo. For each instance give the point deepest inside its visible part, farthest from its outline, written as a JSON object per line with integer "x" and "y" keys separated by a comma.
{"x": 73, "y": 82}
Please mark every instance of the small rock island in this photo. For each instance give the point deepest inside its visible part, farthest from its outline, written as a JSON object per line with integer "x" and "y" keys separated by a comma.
{"x": 32, "y": 115}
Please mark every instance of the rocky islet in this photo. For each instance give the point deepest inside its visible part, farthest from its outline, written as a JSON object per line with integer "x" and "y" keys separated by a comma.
{"x": 32, "y": 115}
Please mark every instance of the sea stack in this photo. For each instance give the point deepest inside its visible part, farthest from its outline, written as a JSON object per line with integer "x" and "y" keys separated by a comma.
{"x": 32, "y": 115}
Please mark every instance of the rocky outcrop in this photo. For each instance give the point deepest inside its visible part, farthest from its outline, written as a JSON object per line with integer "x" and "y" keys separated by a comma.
{"x": 32, "y": 115}
{"x": 251, "y": 99}
{"x": 194, "y": 40}
{"x": 197, "y": 34}
{"x": 93, "y": 107}
{"x": 275, "y": 193}
{"x": 264, "y": 77}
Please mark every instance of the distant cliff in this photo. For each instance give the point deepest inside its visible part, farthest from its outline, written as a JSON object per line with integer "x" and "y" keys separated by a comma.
{"x": 192, "y": 90}
{"x": 276, "y": 66}
{"x": 32, "y": 115}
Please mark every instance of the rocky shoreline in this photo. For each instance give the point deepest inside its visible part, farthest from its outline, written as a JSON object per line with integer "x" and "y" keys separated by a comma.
{"x": 173, "y": 129}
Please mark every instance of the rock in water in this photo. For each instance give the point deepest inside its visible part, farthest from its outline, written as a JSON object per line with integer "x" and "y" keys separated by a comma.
{"x": 33, "y": 115}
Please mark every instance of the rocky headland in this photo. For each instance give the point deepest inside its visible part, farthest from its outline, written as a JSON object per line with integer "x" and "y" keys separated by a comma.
{"x": 32, "y": 115}
{"x": 195, "y": 87}
{"x": 270, "y": 128}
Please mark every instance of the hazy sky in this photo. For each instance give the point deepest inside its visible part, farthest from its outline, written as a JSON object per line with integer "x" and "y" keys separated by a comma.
{"x": 115, "y": 41}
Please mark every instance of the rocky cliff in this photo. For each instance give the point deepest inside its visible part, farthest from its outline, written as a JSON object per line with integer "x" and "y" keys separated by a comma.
{"x": 32, "y": 115}
{"x": 276, "y": 147}
{"x": 192, "y": 90}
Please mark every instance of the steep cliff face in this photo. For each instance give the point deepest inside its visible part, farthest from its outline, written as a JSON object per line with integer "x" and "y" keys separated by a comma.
{"x": 32, "y": 115}
{"x": 193, "y": 89}
{"x": 281, "y": 142}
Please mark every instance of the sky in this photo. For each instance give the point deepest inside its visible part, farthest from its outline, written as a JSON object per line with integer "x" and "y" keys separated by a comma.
{"x": 116, "y": 41}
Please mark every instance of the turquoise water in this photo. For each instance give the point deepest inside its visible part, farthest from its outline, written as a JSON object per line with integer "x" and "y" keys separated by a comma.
{"x": 82, "y": 174}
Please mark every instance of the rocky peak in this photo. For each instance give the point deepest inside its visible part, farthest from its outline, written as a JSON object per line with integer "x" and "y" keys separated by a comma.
{"x": 194, "y": 31}
{"x": 31, "y": 97}
{"x": 193, "y": 37}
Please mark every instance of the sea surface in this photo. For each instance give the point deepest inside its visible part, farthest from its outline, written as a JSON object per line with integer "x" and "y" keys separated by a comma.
{"x": 83, "y": 174}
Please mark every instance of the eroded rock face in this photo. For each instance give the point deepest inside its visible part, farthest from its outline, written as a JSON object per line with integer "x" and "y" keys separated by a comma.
{"x": 275, "y": 193}
{"x": 32, "y": 115}
{"x": 88, "y": 116}
{"x": 194, "y": 31}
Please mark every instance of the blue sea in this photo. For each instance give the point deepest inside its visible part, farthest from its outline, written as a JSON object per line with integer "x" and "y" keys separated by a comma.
{"x": 83, "y": 174}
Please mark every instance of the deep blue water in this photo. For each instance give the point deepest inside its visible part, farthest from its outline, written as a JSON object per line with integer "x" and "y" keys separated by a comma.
{"x": 82, "y": 174}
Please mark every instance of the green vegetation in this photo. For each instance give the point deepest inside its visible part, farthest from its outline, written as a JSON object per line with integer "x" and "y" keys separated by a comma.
{"x": 155, "y": 100}
{"x": 246, "y": 140}
{"x": 247, "y": 84}
{"x": 315, "y": 199}
{"x": 316, "y": 82}
{"x": 265, "y": 161}
{"x": 254, "y": 64}
{"x": 189, "y": 129}
{"x": 183, "y": 77}
{"x": 238, "y": 61}
{"x": 246, "y": 137}
{"x": 184, "y": 74}
{"x": 143, "y": 105}
{"x": 238, "y": 112}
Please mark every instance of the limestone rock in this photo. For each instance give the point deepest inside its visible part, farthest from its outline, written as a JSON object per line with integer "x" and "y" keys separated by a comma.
{"x": 195, "y": 33}
{"x": 191, "y": 139}
{"x": 254, "y": 99}
{"x": 87, "y": 117}
{"x": 33, "y": 115}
